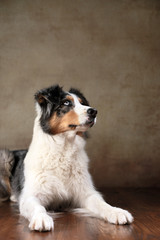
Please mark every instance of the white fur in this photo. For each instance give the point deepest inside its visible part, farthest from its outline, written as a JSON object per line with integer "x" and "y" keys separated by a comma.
{"x": 56, "y": 169}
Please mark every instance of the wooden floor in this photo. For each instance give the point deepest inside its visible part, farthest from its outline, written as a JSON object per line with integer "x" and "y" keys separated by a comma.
{"x": 144, "y": 204}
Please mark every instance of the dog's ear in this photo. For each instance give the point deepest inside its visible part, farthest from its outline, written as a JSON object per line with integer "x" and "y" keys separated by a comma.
{"x": 41, "y": 98}
{"x": 48, "y": 95}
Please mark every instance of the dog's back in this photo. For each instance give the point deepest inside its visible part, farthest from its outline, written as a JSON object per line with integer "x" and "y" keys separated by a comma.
{"x": 6, "y": 163}
{"x": 10, "y": 162}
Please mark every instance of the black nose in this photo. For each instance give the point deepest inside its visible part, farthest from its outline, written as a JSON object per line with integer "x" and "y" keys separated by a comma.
{"x": 92, "y": 112}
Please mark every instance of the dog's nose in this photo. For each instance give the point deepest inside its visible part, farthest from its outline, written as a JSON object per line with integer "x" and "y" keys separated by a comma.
{"x": 92, "y": 112}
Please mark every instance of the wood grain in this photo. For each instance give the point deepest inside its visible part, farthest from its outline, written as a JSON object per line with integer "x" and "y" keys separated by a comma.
{"x": 144, "y": 204}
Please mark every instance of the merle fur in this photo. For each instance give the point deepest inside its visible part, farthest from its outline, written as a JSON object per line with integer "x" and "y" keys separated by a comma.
{"x": 49, "y": 100}
{"x": 12, "y": 172}
{"x": 6, "y": 164}
{"x": 17, "y": 173}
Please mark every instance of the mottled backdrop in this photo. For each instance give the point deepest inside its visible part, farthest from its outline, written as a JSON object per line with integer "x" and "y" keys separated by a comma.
{"x": 108, "y": 49}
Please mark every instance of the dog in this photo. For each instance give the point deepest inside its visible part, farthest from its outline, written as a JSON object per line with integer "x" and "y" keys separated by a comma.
{"x": 54, "y": 171}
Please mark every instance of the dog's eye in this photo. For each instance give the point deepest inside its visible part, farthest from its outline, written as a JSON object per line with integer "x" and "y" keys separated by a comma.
{"x": 67, "y": 103}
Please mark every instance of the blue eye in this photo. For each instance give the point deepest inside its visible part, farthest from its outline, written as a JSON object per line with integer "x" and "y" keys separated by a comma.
{"x": 66, "y": 103}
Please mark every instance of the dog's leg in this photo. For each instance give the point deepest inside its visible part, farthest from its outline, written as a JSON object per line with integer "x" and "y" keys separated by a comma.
{"x": 31, "y": 208}
{"x": 95, "y": 204}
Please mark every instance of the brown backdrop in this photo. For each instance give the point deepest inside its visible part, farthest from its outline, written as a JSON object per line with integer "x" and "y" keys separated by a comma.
{"x": 108, "y": 49}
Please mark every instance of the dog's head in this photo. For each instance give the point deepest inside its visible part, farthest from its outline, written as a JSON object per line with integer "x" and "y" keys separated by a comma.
{"x": 62, "y": 111}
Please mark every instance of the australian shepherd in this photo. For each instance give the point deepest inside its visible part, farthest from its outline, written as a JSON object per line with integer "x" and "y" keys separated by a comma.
{"x": 54, "y": 171}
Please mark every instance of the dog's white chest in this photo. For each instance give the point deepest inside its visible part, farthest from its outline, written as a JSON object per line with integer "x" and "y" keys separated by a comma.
{"x": 52, "y": 169}
{"x": 63, "y": 166}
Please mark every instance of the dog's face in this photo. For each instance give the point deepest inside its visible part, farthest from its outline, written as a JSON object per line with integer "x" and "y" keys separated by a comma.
{"x": 63, "y": 111}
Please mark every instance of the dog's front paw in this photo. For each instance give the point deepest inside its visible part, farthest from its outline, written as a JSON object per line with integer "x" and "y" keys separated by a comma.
{"x": 41, "y": 222}
{"x": 119, "y": 216}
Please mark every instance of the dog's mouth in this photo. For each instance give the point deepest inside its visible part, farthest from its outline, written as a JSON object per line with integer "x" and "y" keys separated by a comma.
{"x": 82, "y": 127}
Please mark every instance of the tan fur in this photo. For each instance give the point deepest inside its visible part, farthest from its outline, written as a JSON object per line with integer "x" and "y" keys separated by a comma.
{"x": 80, "y": 134}
{"x": 80, "y": 100}
{"x": 70, "y": 98}
{"x": 61, "y": 124}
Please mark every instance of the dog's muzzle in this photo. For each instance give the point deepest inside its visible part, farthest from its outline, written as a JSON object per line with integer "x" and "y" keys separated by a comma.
{"x": 92, "y": 113}
{"x": 91, "y": 120}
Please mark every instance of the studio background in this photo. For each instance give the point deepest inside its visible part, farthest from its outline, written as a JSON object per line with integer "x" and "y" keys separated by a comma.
{"x": 110, "y": 50}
